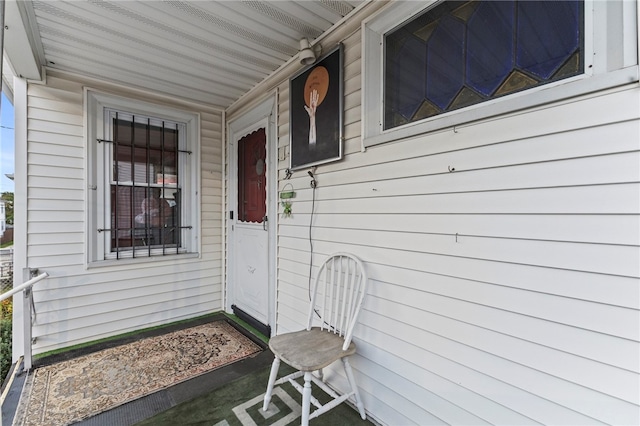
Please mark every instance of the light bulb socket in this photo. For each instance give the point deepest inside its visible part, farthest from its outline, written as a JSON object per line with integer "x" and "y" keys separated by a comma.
{"x": 306, "y": 55}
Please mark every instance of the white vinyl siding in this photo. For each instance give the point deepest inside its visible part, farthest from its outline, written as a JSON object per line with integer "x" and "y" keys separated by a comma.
{"x": 504, "y": 291}
{"x": 78, "y": 304}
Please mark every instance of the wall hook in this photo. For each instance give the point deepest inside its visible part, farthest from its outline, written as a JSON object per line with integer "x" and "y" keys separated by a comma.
{"x": 313, "y": 183}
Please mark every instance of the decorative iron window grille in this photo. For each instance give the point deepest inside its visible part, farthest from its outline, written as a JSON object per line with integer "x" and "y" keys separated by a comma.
{"x": 145, "y": 191}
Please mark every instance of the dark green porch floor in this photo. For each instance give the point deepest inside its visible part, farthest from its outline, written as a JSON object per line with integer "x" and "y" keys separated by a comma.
{"x": 199, "y": 401}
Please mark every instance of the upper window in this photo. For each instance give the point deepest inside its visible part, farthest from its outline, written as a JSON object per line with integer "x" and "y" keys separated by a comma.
{"x": 460, "y": 53}
{"x": 143, "y": 160}
{"x": 437, "y": 64}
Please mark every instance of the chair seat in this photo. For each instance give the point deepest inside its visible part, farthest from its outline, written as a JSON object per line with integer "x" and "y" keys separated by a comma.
{"x": 310, "y": 350}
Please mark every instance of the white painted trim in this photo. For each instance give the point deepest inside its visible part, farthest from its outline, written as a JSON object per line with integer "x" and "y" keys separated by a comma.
{"x": 20, "y": 265}
{"x": 272, "y": 211}
{"x": 95, "y": 102}
{"x": 223, "y": 210}
{"x": 600, "y": 73}
{"x": 262, "y": 115}
{"x": 18, "y": 43}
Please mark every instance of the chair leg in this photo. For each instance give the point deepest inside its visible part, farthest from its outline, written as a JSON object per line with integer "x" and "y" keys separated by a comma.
{"x": 354, "y": 387}
{"x": 306, "y": 399}
{"x": 272, "y": 379}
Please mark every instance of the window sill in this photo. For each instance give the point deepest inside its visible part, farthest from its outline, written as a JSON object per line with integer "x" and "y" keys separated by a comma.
{"x": 141, "y": 259}
{"x": 555, "y": 92}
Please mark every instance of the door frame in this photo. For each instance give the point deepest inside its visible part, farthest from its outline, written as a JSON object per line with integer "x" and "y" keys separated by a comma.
{"x": 261, "y": 116}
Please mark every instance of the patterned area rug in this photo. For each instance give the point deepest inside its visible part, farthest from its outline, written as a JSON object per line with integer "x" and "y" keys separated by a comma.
{"x": 72, "y": 390}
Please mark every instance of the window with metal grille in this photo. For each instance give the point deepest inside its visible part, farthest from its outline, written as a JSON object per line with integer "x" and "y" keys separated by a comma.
{"x": 143, "y": 172}
{"x": 145, "y": 184}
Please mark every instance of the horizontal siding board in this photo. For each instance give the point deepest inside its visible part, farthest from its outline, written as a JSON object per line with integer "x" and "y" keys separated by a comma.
{"x": 48, "y": 205}
{"x": 604, "y": 258}
{"x": 572, "y": 284}
{"x": 375, "y": 393}
{"x": 569, "y": 397}
{"x": 293, "y": 291}
{"x": 53, "y": 127}
{"x": 56, "y": 171}
{"x": 64, "y": 237}
{"x": 611, "y": 169}
{"x": 38, "y": 193}
{"x": 82, "y": 279}
{"x": 597, "y": 317}
{"x": 615, "y": 199}
{"x": 55, "y": 116}
{"x": 49, "y": 143}
{"x": 56, "y": 93}
{"x": 72, "y": 161}
{"x": 293, "y": 304}
{"x": 590, "y": 374}
{"x": 448, "y": 150}
{"x": 39, "y": 228}
{"x": 496, "y": 389}
{"x": 454, "y": 298}
{"x": 61, "y": 249}
{"x": 597, "y": 229}
{"x": 56, "y": 105}
{"x": 107, "y": 304}
{"x": 117, "y": 309}
{"x": 109, "y": 326}
{"x": 53, "y": 260}
{"x": 618, "y": 291}
{"x": 578, "y": 113}
{"x": 420, "y": 402}
{"x": 53, "y": 216}
{"x": 295, "y": 268}
{"x": 450, "y": 392}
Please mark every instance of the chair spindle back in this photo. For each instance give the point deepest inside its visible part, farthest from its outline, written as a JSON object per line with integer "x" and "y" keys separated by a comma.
{"x": 337, "y": 294}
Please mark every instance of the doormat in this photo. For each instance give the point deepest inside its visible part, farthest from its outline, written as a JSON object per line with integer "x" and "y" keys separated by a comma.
{"x": 72, "y": 390}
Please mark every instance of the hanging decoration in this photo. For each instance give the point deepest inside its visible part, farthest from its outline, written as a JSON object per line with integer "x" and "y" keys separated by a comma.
{"x": 286, "y": 194}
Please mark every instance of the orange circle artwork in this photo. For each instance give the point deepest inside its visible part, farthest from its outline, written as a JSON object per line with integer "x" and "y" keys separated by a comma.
{"x": 319, "y": 80}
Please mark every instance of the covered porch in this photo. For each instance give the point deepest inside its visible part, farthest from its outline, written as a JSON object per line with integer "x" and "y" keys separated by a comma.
{"x": 480, "y": 157}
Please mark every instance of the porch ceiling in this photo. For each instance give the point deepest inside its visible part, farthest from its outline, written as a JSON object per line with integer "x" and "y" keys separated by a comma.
{"x": 206, "y": 51}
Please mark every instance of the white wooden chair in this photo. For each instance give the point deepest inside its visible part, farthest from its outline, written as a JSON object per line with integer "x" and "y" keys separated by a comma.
{"x": 336, "y": 299}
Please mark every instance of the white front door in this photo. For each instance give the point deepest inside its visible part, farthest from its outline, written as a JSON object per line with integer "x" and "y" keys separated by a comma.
{"x": 251, "y": 227}
{"x": 252, "y": 210}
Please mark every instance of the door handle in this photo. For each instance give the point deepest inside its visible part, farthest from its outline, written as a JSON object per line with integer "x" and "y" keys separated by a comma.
{"x": 265, "y": 219}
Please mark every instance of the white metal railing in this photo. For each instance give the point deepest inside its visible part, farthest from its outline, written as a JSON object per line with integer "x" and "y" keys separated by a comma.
{"x": 27, "y": 317}
{"x": 26, "y": 285}
{"x": 26, "y": 313}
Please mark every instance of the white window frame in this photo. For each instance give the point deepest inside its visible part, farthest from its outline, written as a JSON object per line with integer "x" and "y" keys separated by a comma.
{"x": 610, "y": 51}
{"x": 98, "y": 106}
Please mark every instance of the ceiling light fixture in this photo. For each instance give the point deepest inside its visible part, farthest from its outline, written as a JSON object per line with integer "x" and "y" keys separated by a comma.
{"x": 307, "y": 54}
